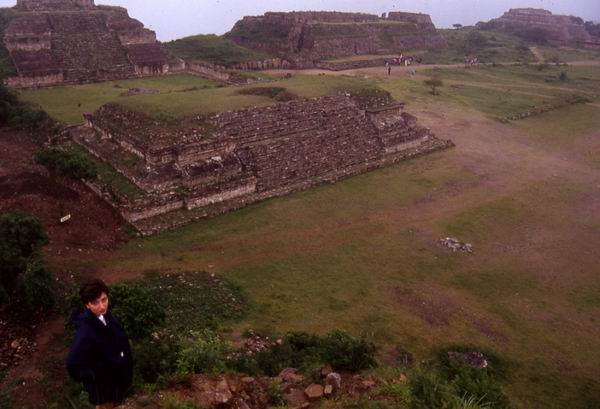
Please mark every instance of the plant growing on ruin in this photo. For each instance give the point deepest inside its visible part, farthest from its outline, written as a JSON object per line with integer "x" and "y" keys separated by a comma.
{"x": 66, "y": 163}
{"x": 434, "y": 83}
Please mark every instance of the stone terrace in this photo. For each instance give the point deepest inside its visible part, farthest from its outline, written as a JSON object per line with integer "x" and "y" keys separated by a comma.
{"x": 304, "y": 38}
{"x": 216, "y": 163}
{"x": 73, "y": 41}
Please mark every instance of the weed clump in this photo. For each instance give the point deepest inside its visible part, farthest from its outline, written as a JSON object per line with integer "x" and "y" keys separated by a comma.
{"x": 205, "y": 352}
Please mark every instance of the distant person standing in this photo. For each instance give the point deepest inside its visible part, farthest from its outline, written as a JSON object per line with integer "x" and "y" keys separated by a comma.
{"x": 100, "y": 355}
{"x": 388, "y": 66}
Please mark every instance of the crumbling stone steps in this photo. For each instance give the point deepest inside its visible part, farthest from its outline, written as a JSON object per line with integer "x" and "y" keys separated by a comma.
{"x": 77, "y": 22}
{"x": 87, "y": 56}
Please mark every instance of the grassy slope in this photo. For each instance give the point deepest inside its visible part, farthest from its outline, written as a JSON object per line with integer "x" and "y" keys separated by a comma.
{"x": 212, "y": 49}
{"x": 331, "y": 257}
{"x": 498, "y": 47}
{"x": 62, "y": 102}
{"x": 69, "y": 103}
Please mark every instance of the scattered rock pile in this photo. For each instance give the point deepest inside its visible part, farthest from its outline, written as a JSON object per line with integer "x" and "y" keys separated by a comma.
{"x": 455, "y": 245}
{"x": 469, "y": 359}
{"x": 290, "y": 388}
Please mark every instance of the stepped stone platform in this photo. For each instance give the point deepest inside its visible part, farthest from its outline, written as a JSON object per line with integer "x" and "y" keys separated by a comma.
{"x": 301, "y": 39}
{"x": 211, "y": 164}
{"x": 560, "y": 28}
{"x": 74, "y": 41}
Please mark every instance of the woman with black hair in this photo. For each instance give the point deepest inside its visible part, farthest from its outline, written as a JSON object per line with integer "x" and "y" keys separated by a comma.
{"x": 100, "y": 355}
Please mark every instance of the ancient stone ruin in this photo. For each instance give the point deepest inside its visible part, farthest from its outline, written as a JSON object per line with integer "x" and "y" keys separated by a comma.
{"x": 206, "y": 165}
{"x": 303, "y": 38}
{"x": 558, "y": 28}
{"x": 73, "y": 41}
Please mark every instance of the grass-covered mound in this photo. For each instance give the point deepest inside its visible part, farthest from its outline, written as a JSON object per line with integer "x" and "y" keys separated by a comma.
{"x": 213, "y": 49}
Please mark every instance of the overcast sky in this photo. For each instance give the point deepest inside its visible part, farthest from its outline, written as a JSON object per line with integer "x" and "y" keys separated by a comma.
{"x": 178, "y": 18}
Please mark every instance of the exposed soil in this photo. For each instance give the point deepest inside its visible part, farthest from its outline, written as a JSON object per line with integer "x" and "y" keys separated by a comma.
{"x": 31, "y": 337}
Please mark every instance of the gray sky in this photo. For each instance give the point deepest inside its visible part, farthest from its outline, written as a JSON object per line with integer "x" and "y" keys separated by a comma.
{"x": 178, "y": 18}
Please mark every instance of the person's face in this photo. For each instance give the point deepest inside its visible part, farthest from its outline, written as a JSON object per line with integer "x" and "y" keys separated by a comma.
{"x": 99, "y": 306}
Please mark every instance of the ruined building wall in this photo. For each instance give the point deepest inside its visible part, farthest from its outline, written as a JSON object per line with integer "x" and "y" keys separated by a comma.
{"x": 73, "y": 41}
{"x": 252, "y": 154}
{"x": 559, "y": 27}
{"x": 305, "y": 37}
{"x": 45, "y": 5}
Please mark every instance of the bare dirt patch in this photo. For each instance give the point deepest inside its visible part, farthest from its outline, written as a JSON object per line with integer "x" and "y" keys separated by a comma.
{"x": 30, "y": 340}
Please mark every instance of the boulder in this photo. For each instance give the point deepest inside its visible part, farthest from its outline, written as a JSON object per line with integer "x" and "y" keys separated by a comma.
{"x": 314, "y": 391}
{"x": 291, "y": 375}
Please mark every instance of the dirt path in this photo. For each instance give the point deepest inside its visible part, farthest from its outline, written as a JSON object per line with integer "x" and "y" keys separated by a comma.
{"x": 537, "y": 54}
{"x": 396, "y": 71}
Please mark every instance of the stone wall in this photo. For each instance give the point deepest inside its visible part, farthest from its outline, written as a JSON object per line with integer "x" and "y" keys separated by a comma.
{"x": 216, "y": 163}
{"x": 45, "y": 5}
{"x": 558, "y": 27}
{"x": 302, "y": 39}
{"x": 73, "y": 41}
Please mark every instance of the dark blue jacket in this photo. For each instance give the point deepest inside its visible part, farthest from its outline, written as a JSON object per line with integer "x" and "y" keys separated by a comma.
{"x": 100, "y": 357}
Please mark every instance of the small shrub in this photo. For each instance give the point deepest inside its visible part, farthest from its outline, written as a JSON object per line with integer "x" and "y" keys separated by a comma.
{"x": 563, "y": 76}
{"x": 37, "y": 284}
{"x": 275, "y": 394}
{"x": 479, "y": 384}
{"x": 542, "y": 67}
{"x": 67, "y": 163}
{"x": 204, "y": 353}
{"x": 429, "y": 391}
{"x": 434, "y": 83}
{"x": 469, "y": 403}
{"x": 154, "y": 358}
{"x": 136, "y": 309}
{"x": 174, "y": 401}
{"x": 21, "y": 237}
{"x": 345, "y": 352}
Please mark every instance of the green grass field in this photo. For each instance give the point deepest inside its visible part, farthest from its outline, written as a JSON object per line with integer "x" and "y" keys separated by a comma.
{"x": 344, "y": 255}
{"x": 180, "y": 95}
{"x": 68, "y": 103}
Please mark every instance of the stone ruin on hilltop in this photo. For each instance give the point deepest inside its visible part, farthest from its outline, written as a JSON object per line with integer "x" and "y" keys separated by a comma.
{"x": 72, "y": 41}
{"x": 207, "y": 165}
{"x": 303, "y": 38}
{"x": 559, "y": 28}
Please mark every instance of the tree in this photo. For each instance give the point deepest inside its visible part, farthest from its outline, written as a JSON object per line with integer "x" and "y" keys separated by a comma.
{"x": 66, "y": 163}
{"x": 457, "y": 26}
{"x": 21, "y": 239}
{"x": 434, "y": 83}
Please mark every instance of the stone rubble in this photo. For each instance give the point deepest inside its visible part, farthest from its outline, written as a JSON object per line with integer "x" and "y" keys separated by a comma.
{"x": 212, "y": 164}
{"x": 455, "y": 245}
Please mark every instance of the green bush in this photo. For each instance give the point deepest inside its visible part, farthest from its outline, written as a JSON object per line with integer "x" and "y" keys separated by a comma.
{"x": 342, "y": 351}
{"x": 66, "y": 163}
{"x": 173, "y": 401}
{"x": 153, "y": 359}
{"x": 136, "y": 309}
{"x": 205, "y": 352}
{"x": 479, "y": 384}
{"x": 21, "y": 237}
{"x": 37, "y": 284}
{"x": 429, "y": 391}
{"x": 306, "y": 352}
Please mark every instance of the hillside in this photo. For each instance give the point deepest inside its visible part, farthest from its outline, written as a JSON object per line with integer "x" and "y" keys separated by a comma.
{"x": 213, "y": 49}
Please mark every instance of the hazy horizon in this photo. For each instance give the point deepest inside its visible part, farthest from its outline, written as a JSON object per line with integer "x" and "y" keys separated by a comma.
{"x": 180, "y": 18}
